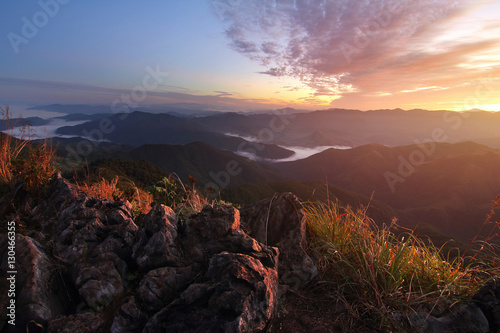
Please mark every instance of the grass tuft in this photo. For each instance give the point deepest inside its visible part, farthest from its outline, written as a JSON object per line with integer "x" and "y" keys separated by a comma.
{"x": 22, "y": 160}
{"x": 377, "y": 272}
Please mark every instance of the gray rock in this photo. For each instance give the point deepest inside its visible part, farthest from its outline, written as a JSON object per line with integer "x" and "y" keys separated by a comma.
{"x": 40, "y": 295}
{"x": 163, "y": 285}
{"x": 81, "y": 323}
{"x": 95, "y": 237}
{"x": 156, "y": 241}
{"x": 239, "y": 296}
{"x": 213, "y": 230}
{"x": 204, "y": 275}
{"x": 281, "y": 221}
{"x": 129, "y": 318}
{"x": 488, "y": 300}
{"x": 461, "y": 318}
{"x": 100, "y": 284}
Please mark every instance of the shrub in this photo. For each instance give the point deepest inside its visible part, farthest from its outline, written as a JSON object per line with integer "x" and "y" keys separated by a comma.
{"x": 184, "y": 200}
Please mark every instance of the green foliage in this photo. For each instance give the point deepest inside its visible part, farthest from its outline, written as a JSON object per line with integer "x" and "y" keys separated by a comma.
{"x": 183, "y": 199}
{"x": 166, "y": 192}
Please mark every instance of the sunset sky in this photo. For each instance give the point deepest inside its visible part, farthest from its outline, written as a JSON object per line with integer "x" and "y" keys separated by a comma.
{"x": 251, "y": 54}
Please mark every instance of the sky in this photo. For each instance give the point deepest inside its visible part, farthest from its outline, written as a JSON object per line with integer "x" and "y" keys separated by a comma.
{"x": 252, "y": 54}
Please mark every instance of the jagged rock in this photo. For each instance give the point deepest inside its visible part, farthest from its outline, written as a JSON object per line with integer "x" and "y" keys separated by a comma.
{"x": 213, "y": 230}
{"x": 481, "y": 313}
{"x": 81, "y": 323}
{"x": 100, "y": 284}
{"x": 96, "y": 238}
{"x": 129, "y": 318}
{"x": 238, "y": 296}
{"x": 156, "y": 240}
{"x": 281, "y": 221}
{"x": 205, "y": 274}
{"x": 40, "y": 292}
{"x": 460, "y": 318}
{"x": 60, "y": 194}
{"x": 488, "y": 300}
{"x": 163, "y": 285}
{"x": 90, "y": 227}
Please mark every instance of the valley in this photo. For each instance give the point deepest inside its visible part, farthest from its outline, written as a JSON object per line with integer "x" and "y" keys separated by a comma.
{"x": 421, "y": 174}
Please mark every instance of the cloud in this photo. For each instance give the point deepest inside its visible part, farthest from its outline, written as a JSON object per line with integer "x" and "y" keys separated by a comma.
{"x": 338, "y": 47}
{"x": 44, "y": 91}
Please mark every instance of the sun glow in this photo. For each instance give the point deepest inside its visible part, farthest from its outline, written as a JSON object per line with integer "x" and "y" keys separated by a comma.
{"x": 489, "y": 107}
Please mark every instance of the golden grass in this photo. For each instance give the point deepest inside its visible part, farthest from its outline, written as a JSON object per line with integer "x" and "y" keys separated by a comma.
{"x": 378, "y": 273}
{"x": 22, "y": 160}
{"x": 103, "y": 189}
{"x": 10, "y": 148}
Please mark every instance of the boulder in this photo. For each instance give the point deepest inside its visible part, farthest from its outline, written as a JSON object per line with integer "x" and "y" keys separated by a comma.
{"x": 239, "y": 295}
{"x": 462, "y": 317}
{"x": 156, "y": 241}
{"x": 98, "y": 271}
{"x": 95, "y": 237}
{"x": 40, "y": 290}
{"x": 280, "y": 221}
{"x": 214, "y": 230}
{"x": 163, "y": 285}
{"x": 488, "y": 300}
{"x": 129, "y": 318}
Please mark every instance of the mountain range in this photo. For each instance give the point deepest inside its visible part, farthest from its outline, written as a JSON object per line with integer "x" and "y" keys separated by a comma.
{"x": 426, "y": 168}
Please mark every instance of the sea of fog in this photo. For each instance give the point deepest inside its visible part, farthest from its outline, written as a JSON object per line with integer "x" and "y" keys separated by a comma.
{"x": 44, "y": 131}
{"x": 299, "y": 152}
{"x": 49, "y": 130}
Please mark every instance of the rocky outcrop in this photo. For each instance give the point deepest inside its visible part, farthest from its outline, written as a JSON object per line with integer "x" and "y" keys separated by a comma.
{"x": 156, "y": 240}
{"x": 479, "y": 314}
{"x": 39, "y": 283}
{"x": 281, "y": 221}
{"x": 98, "y": 271}
{"x": 90, "y": 268}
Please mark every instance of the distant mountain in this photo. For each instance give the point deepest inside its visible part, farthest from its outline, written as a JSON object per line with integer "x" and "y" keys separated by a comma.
{"x": 140, "y": 128}
{"x": 73, "y": 108}
{"x": 179, "y": 109}
{"x": 19, "y": 122}
{"x": 82, "y": 116}
{"x": 287, "y": 128}
{"x": 447, "y": 185}
{"x": 355, "y": 128}
{"x": 208, "y": 164}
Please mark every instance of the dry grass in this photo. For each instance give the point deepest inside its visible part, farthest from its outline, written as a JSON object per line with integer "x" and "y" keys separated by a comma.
{"x": 109, "y": 190}
{"x": 103, "y": 189}
{"x": 375, "y": 273}
{"x": 10, "y": 148}
{"x": 22, "y": 160}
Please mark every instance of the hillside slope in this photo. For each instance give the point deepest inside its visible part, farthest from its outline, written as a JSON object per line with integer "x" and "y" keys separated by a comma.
{"x": 451, "y": 188}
